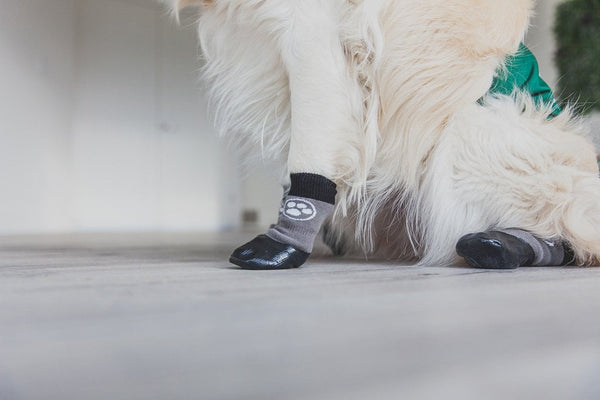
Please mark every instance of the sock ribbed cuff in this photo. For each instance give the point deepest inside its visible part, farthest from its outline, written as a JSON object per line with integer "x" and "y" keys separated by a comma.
{"x": 313, "y": 186}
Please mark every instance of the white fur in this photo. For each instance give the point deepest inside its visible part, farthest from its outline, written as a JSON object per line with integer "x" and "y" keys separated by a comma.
{"x": 381, "y": 97}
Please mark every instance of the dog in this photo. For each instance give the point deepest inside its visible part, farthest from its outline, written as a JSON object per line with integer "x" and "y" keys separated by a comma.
{"x": 389, "y": 99}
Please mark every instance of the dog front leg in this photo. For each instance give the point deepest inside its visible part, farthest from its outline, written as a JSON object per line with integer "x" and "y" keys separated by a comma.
{"x": 322, "y": 121}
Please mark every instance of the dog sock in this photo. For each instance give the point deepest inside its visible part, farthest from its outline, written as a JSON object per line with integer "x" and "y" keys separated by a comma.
{"x": 310, "y": 200}
{"x": 511, "y": 248}
{"x": 546, "y": 252}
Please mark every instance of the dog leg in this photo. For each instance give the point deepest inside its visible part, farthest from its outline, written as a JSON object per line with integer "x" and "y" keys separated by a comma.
{"x": 506, "y": 165}
{"x": 322, "y": 123}
{"x": 510, "y": 249}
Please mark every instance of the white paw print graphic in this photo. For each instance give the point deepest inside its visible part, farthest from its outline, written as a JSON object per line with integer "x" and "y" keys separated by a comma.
{"x": 299, "y": 210}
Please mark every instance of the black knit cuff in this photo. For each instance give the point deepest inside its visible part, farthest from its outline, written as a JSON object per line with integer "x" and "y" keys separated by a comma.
{"x": 313, "y": 186}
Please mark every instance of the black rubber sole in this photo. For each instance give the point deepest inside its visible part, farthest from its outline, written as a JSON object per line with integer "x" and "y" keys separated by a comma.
{"x": 487, "y": 253}
{"x": 251, "y": 266}
{"x": 263, "y": 253}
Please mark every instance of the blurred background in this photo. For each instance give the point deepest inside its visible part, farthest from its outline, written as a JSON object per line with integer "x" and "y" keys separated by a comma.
{"x": 104, "y": 128}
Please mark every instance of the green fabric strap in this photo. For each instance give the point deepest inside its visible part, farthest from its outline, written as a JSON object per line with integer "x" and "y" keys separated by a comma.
{"x": 522, "y": 73}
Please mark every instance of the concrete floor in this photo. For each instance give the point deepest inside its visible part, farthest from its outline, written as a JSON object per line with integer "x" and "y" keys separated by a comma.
{"x": 151, "y": 317}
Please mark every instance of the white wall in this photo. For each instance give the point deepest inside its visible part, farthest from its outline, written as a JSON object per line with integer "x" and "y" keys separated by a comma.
{"x": 102, "y": 126}
{"x": 200, "y": 184}
{"x": 145, "y": 154}
{"x": 540, "y": 39}
{"x": 114, "y": 137}
{"x": 36, "y": 67}
{"x": 262, "y": 193}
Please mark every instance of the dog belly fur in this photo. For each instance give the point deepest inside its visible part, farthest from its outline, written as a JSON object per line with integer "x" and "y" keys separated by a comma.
{"x": 420, "y": 162}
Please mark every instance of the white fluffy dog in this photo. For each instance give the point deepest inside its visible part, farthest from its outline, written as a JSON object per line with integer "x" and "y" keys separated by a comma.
{"x": 384, "y": 98}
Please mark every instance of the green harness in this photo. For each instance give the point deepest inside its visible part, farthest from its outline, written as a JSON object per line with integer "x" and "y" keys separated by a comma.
{"x": 522, "y": 73}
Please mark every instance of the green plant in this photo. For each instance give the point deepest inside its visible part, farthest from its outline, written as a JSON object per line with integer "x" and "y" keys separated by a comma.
{"x": 577, "y": 32}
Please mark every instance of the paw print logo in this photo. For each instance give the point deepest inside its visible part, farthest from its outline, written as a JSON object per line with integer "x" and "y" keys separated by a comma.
{"x": 299, "y": 210}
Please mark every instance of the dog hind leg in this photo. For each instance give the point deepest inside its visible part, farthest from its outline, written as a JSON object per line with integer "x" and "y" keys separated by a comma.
{"x": 499, "y": 167}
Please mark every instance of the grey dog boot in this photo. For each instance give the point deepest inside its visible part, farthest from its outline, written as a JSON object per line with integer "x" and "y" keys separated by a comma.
{"x": 510, "y": 249}
{"x": 289, "y": 243}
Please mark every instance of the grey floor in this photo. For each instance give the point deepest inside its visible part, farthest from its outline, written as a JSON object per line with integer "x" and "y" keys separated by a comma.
{"x": 166, "y": 317}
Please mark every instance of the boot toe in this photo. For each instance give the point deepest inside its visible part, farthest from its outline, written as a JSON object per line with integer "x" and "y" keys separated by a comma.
{"x": 264, "y": 253}
{"x": 494, "y": 250}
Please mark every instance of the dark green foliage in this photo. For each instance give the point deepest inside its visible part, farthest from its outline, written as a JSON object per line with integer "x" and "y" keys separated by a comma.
{"x": 577, "y": 31}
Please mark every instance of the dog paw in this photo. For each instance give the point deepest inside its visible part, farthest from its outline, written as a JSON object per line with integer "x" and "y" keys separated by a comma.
{"x": 264, "y": 253}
